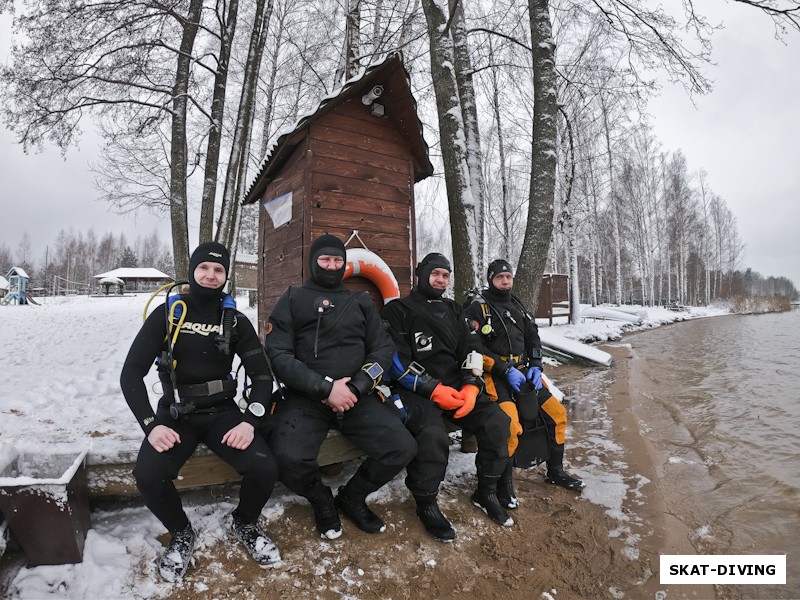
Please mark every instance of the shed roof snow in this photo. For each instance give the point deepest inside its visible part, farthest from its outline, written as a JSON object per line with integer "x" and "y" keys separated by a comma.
{"x": 242, "y": 257}
{"x": 3, "y": 283}
{"x": 135, "y": 273}
{"x": 18, "y": 272}
{"x": 287, "y": 140}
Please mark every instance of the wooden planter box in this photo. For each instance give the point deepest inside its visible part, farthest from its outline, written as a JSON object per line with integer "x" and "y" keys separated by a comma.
{"x": 45, "y": 500}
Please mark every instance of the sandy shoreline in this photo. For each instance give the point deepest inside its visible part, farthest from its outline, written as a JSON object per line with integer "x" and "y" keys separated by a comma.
{"x": 662, "y": 531}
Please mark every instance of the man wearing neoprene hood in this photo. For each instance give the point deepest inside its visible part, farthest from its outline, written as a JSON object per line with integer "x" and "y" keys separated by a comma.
{"x": 329, "y": 348}
{"x": 509, "y": 340}
{"x": 432, "y": 361}
{"x": 195, "y": 337}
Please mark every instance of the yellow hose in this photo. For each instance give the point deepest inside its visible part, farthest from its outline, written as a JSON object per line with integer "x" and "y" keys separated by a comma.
{"x": 156, "y": 293}
{"x": 181, "y": 319}
{"x": 175, "y": 328}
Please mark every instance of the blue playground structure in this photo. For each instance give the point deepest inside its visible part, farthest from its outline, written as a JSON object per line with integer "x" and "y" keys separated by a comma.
{"x": 18, "y": 287}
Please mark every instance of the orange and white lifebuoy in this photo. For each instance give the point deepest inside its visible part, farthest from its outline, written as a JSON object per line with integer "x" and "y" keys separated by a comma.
{"x": 363, "y": 263}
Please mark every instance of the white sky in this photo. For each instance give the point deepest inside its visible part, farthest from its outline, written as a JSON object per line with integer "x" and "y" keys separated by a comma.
{"x": 744, "y": 134}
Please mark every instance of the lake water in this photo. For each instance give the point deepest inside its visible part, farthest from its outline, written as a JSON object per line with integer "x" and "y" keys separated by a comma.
{"x": 721, "y": 405}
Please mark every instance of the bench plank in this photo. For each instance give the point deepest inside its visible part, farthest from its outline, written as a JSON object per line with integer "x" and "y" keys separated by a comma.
{"x": 204, "y": 468}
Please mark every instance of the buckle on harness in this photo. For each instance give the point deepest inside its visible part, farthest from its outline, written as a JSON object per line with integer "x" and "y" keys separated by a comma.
{"x": 415, "y": 369}
{"x": 209, "y": 388}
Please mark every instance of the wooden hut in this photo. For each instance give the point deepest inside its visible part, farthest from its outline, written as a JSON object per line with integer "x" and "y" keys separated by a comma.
{"x": 349, "y": 166}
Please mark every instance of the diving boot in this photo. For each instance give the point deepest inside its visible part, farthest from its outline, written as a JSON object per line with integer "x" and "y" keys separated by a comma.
{"x": 564, "y": 479}
{"x": 352, "y": 501}
{"x": 326, "y": 515}
{"x": 261, "y": 548}
{"x": 505, "y": 488}
{"x": 176, "y": 557}
{"x": 485, "y": 498}
{"x": 434, "y": 521}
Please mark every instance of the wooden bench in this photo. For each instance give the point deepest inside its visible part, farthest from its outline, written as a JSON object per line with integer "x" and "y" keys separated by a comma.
{"x": 204, "y": 468}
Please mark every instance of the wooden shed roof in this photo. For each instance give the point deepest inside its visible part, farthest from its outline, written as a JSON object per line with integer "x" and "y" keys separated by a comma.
{"x": 401, "y": 109}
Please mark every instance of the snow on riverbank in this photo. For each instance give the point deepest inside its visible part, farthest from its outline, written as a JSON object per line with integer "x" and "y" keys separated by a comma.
{"x": 60, "y": 365}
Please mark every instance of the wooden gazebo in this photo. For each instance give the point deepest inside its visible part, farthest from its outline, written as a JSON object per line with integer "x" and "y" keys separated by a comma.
{"x": 350, "y": 166}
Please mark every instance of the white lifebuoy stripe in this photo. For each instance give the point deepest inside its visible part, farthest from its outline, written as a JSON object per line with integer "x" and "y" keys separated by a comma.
{"x": 364, "y": 263}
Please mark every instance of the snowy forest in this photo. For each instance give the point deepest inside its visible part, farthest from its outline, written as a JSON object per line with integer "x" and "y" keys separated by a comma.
{"x": 535, "y": 113}
{"x": 71, "y": 260}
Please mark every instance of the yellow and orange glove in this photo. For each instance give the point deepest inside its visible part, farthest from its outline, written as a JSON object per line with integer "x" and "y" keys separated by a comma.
{"x": 469, "y": 393}
{"x": 447, "y": 398}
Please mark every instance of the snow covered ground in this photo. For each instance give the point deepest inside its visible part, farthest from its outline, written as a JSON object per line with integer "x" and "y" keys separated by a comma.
{"x": 59, "y": 371}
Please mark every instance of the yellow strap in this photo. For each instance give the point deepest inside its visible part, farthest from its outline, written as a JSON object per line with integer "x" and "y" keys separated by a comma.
{"x": 416, "y": 379}
{"x": 485, "y": 310}
{"x": 512, "y": 357}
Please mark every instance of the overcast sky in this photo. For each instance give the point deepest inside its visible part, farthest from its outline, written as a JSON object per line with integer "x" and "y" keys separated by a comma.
{"x": 745, "y": 134}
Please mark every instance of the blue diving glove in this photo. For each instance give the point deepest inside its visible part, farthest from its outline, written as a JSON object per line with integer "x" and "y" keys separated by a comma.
{"x": 535, "y": 377}
{"x": 515, "y": 378}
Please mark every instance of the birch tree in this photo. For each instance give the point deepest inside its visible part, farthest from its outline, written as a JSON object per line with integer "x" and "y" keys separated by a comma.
{"x": 457, "y": 146}
{"x": 236, "y": 177}
{"x": 227, "y": 32}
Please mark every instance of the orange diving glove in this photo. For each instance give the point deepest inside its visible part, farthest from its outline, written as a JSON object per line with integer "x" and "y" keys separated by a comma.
{"x": 469, "y": 393}
{"x": 447, "y": 398}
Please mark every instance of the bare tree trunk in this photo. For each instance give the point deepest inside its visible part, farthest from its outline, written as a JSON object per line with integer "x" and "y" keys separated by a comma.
{"x": 208, "y": 199}
{"x": 568, "y": 223}
{"x": 501, "y": 151}
{"x": 227, "y": 225}
{"x": 613, "y": 201}
{"x": 269, "y": 93}
{"x": 179, "y": 148}
{"x": 574, "y": 279}
{"x": 464, "y": 228}
{"x": 594, "y": 234}
{"x": 466, "y": 90}
{"x": 538, "y": 231}
{"x": 407, "y": 30}
{"x": 352, "y": 44}
{"x": 377, "y": 27}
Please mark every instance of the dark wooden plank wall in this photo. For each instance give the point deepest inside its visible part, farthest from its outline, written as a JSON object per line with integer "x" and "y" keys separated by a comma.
{"x": 352, "y": 171}
{"x": 281, "y": 249}
{"x": 361, "y": 178}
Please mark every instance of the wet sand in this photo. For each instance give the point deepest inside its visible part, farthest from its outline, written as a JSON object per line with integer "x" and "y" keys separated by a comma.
{"x": 663, "y": 532}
